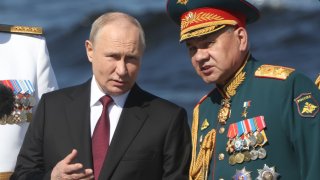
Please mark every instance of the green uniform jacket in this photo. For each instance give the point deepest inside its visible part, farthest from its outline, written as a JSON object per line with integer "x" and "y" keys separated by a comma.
{"x": 292, "y": 129}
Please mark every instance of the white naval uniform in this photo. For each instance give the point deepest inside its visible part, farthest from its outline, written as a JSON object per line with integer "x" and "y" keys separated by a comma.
{"x": 22, "y": 57}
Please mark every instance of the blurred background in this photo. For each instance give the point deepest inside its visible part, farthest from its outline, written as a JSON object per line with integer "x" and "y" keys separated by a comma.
{"x": 287, "y": 34}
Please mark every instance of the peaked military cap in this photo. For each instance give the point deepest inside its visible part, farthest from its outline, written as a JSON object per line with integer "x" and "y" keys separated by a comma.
{"x": 200, "y": 17}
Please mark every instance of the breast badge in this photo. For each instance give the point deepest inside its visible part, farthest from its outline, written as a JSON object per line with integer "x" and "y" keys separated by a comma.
{"x": 267, "y": 173}
{"x": 307, "y": 105}
{"x": 246, "y": 105}
{"x": 242, "y": 174}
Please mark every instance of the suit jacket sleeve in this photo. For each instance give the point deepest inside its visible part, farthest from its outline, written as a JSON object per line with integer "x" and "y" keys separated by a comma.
{"x": 177, "y": 149}
{"x": 30, "y": 162}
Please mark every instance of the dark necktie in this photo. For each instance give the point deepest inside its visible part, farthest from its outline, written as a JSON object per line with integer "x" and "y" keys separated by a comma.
{"x": 100, "y": 137}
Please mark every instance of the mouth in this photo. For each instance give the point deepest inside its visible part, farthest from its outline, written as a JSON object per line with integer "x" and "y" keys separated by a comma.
{"x": 119, "y": 82}
{"x": 206, "y": 70}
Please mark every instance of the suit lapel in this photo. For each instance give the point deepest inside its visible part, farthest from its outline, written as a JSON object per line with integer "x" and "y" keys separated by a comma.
{"x": 131, "y": 120}
{"x": 78, "y": 118}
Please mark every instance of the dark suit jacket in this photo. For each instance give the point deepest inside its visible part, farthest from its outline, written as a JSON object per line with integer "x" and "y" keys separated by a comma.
{"x": 151, "y": 141}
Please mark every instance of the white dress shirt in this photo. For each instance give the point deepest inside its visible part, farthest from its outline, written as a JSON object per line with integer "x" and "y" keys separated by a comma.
{"x": 114, "y": 109}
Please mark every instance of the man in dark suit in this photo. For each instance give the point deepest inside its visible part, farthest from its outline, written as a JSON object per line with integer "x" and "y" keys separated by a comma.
{"x": 148, "y": 136}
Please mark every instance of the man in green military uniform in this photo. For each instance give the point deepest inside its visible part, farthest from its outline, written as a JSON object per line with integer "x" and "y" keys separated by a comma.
{"x": 260, "y": 121}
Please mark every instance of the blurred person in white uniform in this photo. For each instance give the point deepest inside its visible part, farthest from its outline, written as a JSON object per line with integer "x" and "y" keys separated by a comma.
{"x": 26, "y": 73}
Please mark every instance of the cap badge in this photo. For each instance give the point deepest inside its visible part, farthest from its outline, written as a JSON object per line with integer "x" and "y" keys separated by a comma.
{"x": 183, "y": 2}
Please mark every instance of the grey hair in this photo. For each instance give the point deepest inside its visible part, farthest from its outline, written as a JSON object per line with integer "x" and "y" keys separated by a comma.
{"x": 110, "y": 17}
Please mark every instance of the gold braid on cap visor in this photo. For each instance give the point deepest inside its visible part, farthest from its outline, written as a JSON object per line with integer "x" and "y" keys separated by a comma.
{"x": 204, "y": 23}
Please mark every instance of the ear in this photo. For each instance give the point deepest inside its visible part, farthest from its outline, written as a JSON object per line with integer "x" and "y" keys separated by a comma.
{"x": 89, "y": 49}
{"x": 242, "y": 35}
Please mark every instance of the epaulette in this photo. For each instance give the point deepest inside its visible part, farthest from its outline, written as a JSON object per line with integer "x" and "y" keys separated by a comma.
{"x": 272, "y": 71}
{"x": 21, "y": 29}
{"x": 317, "y": 82}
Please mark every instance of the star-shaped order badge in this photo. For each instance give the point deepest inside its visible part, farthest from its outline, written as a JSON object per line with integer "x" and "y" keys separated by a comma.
{"x": 267, "y": 173}
{"x": 242, "y": 174}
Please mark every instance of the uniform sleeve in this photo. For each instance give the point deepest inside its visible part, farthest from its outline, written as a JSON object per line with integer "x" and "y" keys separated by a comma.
{"x": 306, "y": 126}
{"x": 177, "y": 149}
{"x": 30, "y": 162}
{"x": 46, "y": 80}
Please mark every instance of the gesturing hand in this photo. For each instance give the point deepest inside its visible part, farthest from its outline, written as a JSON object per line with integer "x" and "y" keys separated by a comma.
{"x": 66, "y": 170}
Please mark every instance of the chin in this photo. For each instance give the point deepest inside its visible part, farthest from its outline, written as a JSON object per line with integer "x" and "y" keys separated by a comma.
{"x": 118, "y": 91}
{"x": 208, "y": 80}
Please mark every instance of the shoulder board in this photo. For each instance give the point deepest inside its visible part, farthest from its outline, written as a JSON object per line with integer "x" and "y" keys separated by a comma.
{"x": 21, "y": 29}
{"x": 274, "y": 72}
{"x": 318, "y": 82}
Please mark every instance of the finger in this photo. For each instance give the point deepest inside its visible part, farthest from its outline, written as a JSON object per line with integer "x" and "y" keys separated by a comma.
{"x": 85, "y": 174}
{"x": 68, "y": 159}
{"x": 73, "y": 168}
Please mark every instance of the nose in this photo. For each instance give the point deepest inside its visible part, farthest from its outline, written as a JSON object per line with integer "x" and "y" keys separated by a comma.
{"x": 121, "y": 68}
{"x": 201, "y": 55}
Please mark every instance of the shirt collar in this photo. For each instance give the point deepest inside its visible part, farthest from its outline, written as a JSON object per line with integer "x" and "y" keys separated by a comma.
{"x": 97, "y": 93}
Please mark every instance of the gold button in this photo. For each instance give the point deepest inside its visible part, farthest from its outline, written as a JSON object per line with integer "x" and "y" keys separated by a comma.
{"x": 221, "y": 156}
{"x": 221, "y": 130}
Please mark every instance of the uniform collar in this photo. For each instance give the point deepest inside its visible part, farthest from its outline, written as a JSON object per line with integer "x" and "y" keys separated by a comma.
{"x": 230, "y": 89}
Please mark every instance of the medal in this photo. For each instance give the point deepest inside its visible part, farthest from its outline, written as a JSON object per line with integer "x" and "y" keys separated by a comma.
{"x": 267, "y": 173}
{"x": 32, "y": 101}
{"x": 239, "y": 157}
{"x": 245, "y": 106}
{"x": 246, "y": 143}
{"x": 29, "y": 117}
{"x": 232, "y": 160}
{"x": 242, "y": 175}
{"x": 238, "y": 144}
{"x": 260, "y": 138}
{"x": 230, "y": 146}
{"x": 262, "y": 153}
{"x": 247, "y": 156}
{"x": 254, "y": 154}
{"x": 10, "y": 119}
{"x": 253, "y": 140}
{"x": 25, "y": 102}
{"x": 23, "y": 116}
